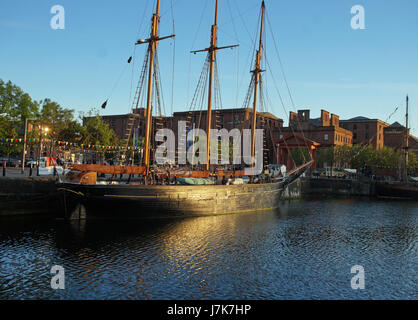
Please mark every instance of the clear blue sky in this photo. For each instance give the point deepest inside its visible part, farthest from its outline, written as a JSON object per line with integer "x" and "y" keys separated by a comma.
{"x": 328, "y": 64}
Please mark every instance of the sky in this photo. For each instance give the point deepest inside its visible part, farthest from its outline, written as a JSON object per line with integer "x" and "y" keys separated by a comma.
{"x": 327, "y": 64}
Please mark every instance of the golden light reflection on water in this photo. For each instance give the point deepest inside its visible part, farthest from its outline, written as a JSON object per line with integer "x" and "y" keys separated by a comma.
{"x": 304, "y": 249}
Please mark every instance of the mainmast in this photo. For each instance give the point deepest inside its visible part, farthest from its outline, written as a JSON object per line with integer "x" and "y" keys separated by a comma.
{"x": 152, "y": 48}
{"x": 213, "y": 48}
{"x": 257, "y": 73}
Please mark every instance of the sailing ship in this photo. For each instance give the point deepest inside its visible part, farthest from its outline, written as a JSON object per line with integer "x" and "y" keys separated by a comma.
{"x": 199, "y": 193}
{"x": 404, "y": 188}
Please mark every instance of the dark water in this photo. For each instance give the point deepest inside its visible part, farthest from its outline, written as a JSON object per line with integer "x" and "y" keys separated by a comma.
{"x": 304, "y": 250}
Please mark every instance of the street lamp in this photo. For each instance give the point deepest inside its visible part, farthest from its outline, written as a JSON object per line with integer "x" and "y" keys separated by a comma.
{"x": 41, "y": 130}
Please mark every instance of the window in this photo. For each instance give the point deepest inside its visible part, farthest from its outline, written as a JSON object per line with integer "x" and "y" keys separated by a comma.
{"x": 325, "y": 137}
{"x": 354, "y": 127}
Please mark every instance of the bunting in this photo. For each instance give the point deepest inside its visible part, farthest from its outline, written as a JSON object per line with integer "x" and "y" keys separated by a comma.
{"x": 17, "y": 141}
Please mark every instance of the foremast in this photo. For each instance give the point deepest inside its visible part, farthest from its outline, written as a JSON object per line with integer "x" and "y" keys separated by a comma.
{"x": 152, "y": 49}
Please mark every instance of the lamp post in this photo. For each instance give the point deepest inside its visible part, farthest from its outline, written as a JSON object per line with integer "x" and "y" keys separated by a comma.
{"x": 24, "y": 146}
{"x": 41, "y": 129}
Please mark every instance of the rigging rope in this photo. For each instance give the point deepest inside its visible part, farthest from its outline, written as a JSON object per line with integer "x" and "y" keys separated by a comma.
{"x": 174, "y": 60}
{"x": 287, "y": 85}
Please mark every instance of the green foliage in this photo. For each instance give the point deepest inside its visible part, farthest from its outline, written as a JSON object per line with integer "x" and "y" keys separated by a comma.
{"x": 16, "y": 106}
{"x": 96, "y": 131}
{"x": 359, "y": 156}
{"x": 412, "y": 161}
{"x": 58, "y": 120}
{"x": 15, "y": 103}
{"x": 299, "y": 156}
{"x": 325, "y": 155}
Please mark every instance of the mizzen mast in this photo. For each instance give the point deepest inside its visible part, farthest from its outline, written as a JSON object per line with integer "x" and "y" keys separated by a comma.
{"x": 152, "y": 49}
{"x": 256, "y": 74}
{"x": 213, "y": 48}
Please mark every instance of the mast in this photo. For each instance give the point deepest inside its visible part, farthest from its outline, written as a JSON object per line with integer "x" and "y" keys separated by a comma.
{"x": 152, "y": 48}
{"x": 406, "y": 140}
{"x": 213, "y": 48}
{"x": 257, "y": 73}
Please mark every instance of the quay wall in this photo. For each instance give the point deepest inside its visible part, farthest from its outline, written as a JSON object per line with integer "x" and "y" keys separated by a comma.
{"x": 28, "y": 195}
{"x": 331, "y": 186}
{"x": 293, "y": 191}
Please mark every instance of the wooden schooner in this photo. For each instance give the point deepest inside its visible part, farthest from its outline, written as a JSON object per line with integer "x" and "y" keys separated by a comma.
{"x": 81, "y": 190}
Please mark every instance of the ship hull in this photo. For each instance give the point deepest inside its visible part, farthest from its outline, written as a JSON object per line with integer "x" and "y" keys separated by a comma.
{"x": 396, "y": 191}
{"x": 140, "y": 201}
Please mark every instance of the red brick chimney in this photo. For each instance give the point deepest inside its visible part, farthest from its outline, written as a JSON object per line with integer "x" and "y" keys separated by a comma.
{"x": 325, "y": 120}
{"x": 335, "y": 120}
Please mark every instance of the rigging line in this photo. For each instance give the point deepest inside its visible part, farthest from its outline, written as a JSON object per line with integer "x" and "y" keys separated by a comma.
{"x": 264, "y": 101}
{"x": 198, "y": 27}
{"x": 169, "y": 9}
{"x": 193, "y": 43}
{"x": 251, "y": 52}
{"x": 157, "y": 85}
{"x": 282, "y": 102}
{"x": 117, "y": 82}
{"x": 132, "y": 75}
{"x": 284, "y": 75}
{"x": 280, "y": 61}
{"x": 143, "y": 19}
{"x": 266, "y": 97}
{"x": 204, "y": 88}
{"x": 238, "y": 40}
{"x": 196, "y": 93}
{"x": 243, "y": 22}
{"x": 217, "y": 93}
{"x": 141, "y": 81}
{"x": 174, "y": 60}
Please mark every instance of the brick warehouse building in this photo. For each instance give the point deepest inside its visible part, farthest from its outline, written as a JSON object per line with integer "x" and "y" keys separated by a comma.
{"x": 394, "y": 137}
{"x": 366, "y": 131}
{"x": 240, "y": 118}
{"x": 119, "y": 122}
{"x": 229, "y": 119}
{"x": 325, "y": 130}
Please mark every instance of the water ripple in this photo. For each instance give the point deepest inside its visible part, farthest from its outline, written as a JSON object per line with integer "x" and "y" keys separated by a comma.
{"x": 304, "y": 250}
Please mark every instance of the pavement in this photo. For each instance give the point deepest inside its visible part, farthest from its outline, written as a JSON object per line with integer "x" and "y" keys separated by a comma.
{"x": 12, "y": 172}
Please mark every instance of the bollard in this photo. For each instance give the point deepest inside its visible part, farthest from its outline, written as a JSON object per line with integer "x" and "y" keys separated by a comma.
{"x": 4, "y": 168}
{"x": 37, "y": 170}
{"x": 30, "y": 170}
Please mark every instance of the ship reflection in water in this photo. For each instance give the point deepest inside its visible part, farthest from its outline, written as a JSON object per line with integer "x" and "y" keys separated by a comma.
{"x": 304, "y": 250}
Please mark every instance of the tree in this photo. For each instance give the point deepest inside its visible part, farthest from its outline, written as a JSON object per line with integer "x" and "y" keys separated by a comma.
{"x": 15, "y": 104}
{"x": 55, "y": 116}
{"x": 299, "y": 156}
{"x": 325, "y": 156}
{"x": 15, "y": 107}
{"x": 96, "y": 132}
